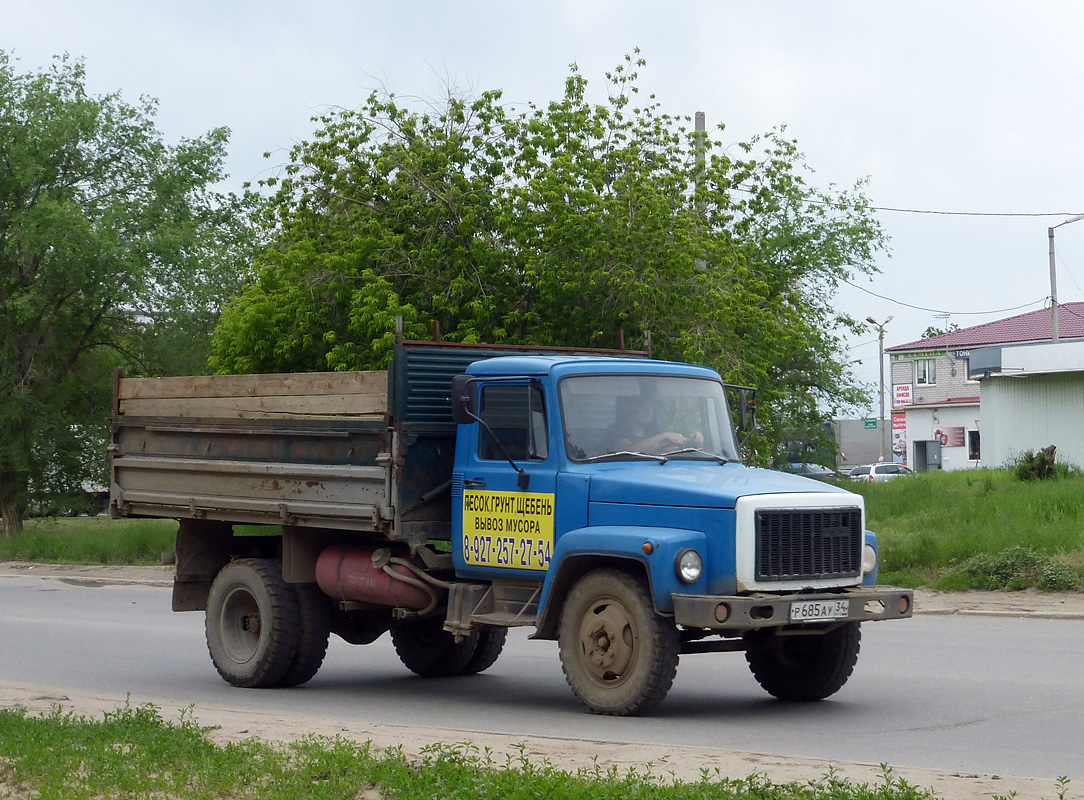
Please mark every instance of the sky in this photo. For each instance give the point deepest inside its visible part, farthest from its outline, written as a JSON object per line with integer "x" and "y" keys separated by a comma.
{"x": 965, "y": 116}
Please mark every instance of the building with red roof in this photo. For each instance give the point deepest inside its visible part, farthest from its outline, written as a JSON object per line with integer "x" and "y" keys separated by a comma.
{"x": 935, "y": 394}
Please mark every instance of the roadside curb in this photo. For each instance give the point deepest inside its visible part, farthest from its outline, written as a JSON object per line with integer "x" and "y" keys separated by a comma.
{"x": 90, "y": 575}
{"x": 1019, "y": 614}
{"x": 1027, "y": 604}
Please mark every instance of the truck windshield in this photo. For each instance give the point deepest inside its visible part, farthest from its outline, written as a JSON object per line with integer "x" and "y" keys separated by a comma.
{"x": 617, "y": 417}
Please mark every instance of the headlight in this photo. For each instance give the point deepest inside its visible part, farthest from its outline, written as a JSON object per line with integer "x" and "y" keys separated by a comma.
{"x": 688, "y": 566}
{"x": 869, "y": 559}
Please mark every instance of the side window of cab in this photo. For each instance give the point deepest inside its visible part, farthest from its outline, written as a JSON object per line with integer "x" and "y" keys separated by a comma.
{"x": 517, "y": 427}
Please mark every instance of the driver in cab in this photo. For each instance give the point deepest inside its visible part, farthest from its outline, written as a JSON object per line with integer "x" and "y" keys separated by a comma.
{"x": 634, "y": 430}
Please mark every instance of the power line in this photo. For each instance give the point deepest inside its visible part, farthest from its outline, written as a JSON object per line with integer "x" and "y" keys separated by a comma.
{"x": 941, "y": 310}
{"x": 1067, "y": 271}
{"x": 974, "y": 213}
{"x": 933, "y": 212}
{"x": 862, "y": 344}
{"x": 1069, "y": 311}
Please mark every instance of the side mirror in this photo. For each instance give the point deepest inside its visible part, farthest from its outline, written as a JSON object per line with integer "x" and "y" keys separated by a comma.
{"x": 464, "y": 399}
{"x": 746, "y": 407}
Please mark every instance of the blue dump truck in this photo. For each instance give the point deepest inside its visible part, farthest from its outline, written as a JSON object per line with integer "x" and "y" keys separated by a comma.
{"x": 597, "y": 498}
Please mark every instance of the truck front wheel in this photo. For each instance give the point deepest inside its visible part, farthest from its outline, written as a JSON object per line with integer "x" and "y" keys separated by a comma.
{"x": 252, "y": 623}
{"x": 804, "y": 667}
{"x": 618, "y": 655}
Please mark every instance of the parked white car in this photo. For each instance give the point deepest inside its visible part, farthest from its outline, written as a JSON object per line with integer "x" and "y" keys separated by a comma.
{"x": 875, "y": 473}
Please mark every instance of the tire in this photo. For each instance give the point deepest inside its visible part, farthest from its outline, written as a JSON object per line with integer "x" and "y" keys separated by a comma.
{"x": 314, "y": 630}
{"x": 802, "y": 668}
{"x": 618, "y": 655}
{"x": 252, "y": 623}
{"x": 426, "y": 649}
{"x": 490, "y": 643}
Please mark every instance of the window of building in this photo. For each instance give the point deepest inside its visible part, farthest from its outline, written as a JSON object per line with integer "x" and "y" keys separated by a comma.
{"x": 973, "y": 445}
{"x": 926, "y": 372}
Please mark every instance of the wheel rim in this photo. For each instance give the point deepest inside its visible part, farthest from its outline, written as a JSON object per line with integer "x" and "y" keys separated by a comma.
{"x": 241, "y": 626}
{"x": 608, "y": 641}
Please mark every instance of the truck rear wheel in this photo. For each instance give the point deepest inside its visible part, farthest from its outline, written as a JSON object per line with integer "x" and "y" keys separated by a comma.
{"x": 314, "y": 630}
{"x": 490, "y": 643}
{"x": 426, "y": 649}
{"x": 804, "y": 667}
{"x": 252, "y": 623}
{"x": 618, "y": 655}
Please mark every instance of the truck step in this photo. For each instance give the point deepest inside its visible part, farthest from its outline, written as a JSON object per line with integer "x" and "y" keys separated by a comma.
{"x": 504, "y": 619}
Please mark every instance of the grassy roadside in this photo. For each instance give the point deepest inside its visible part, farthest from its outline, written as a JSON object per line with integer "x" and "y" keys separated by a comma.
{"x": 135, "y": 753}
{"x": 973, "y": 529}
{"x": 91, "y": 540}
{"x": 978, "y": 529}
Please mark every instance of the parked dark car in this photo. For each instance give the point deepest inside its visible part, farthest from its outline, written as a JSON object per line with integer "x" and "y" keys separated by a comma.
{"x": 818, "y": 471}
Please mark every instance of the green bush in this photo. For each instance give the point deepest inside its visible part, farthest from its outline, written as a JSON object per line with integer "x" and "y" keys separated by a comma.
{"x": 1013, "y": 569}
{"x": 1041, "y": 465}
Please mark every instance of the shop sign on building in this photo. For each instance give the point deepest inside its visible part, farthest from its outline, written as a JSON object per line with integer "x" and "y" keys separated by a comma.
{"x": 899, "y": 437}
{"x": 901, "y": 394}
{"x": 950, "y": 437}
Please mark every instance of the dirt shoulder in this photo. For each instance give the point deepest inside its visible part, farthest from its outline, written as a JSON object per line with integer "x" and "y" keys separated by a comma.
{"x": 685, "y": 763}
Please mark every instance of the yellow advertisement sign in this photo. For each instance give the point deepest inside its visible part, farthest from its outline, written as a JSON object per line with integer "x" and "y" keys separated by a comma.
{"x": 513, "y": 530}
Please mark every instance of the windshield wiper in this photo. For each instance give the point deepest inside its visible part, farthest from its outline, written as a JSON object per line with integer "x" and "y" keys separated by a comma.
{"x": 651, "y": 456}
{"x": 718, "y": 458}
{"x": 664, "y": 457}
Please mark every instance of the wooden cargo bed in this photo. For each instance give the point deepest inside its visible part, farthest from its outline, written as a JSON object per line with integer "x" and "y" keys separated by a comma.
{"x": 308, "y": 449}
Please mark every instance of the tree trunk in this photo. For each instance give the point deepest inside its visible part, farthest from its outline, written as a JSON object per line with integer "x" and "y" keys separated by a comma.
{"x": 13, "y": 520}
{"x": 10, "y": 512}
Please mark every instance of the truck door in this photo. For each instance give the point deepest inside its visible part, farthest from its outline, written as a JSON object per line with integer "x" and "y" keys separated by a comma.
{"x": 505, "y": 520}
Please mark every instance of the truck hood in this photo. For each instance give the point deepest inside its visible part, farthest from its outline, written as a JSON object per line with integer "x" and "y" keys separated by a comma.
{"x": 694, "y": 484}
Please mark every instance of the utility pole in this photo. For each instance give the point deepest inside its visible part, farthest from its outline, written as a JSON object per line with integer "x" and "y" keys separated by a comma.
{"x": 1054, "y": 277}
{"x": 701, "y": 134}
{"x": 880, "y": 326}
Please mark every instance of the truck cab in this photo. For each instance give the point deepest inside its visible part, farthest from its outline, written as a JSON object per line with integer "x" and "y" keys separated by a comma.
{"x": 628, "y": 473}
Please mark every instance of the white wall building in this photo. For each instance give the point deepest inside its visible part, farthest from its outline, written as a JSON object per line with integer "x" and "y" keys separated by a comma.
{"x": 1032, "y": 396}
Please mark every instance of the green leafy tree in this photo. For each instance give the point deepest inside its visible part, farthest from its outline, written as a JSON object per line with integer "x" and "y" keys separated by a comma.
{"x": 558, "y": 226}
{"x": 114, "y": 250}
{"x": 933, "y": 331}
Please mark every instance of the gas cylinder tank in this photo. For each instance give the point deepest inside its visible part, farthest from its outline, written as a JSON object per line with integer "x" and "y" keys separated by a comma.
{"x": 356, "y": 572}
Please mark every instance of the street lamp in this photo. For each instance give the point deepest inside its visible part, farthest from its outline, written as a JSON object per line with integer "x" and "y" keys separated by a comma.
{"x": 1054, "y": 278}
{"x": 880, "y": 326}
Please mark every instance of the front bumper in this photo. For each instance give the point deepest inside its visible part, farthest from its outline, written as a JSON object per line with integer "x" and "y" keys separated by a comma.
{"x": 749, "y": 612}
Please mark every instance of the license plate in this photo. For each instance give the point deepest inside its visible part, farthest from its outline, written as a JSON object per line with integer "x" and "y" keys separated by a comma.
{"x": 817, "y": 610}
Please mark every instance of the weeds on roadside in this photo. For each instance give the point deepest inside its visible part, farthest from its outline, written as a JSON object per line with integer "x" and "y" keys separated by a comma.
{"x": 1013, "y": 569}
{"x": 134, "y": 753}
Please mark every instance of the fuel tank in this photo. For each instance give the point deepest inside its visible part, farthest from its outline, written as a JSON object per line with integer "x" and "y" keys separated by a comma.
{"x": 347, "y": 572}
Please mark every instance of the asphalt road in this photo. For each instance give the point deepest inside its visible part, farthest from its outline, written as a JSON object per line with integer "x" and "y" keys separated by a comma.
{"x": 964, "y": 694}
